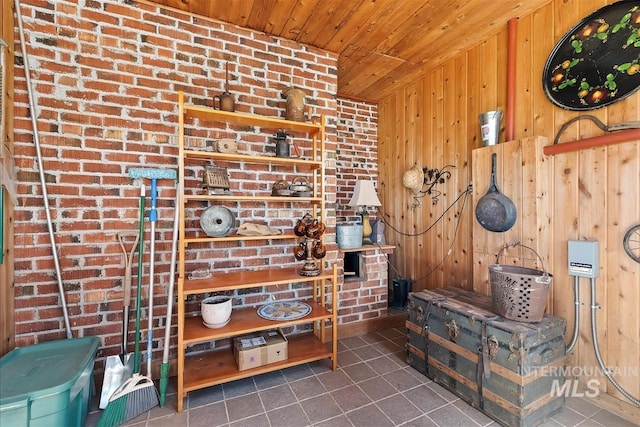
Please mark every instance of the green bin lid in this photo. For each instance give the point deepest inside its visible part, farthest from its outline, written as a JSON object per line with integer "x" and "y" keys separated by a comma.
{"x": 49, "y": 367}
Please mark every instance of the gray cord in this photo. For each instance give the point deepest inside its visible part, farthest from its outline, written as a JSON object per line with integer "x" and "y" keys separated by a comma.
{"x": 455, "y": 233}
{"x": 402, "y": 233}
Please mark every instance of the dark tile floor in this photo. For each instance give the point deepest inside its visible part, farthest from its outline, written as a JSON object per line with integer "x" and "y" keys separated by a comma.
{"x": 373, "y": 387}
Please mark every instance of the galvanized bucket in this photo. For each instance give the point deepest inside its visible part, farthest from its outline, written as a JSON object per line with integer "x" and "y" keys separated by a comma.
{"x": 349, "y": 236}
{"x": 490, "y": 127}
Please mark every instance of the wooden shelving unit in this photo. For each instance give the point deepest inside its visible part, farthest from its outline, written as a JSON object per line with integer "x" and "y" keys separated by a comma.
{"x": 205, "y": 369}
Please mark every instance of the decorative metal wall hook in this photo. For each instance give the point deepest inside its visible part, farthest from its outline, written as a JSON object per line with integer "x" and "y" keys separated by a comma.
{"x": 432, "y": 177}
{"x": 422, "y": 181}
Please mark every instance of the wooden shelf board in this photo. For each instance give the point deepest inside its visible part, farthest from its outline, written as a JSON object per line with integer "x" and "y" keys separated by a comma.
{"x": 245, "y": 320}
{"x": 251, "y": 120}
{"x": 235, "y": 237}
{"x": 250, "y": 278}
{"x": 273, "y": 160}
{"x": 245, "y": 198}
{"x": 370, "y": 248}
{"x": 219, "y": 366}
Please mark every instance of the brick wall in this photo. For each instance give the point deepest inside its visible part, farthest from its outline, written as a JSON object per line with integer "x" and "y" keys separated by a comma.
{"x": 366, "y": 296}
{"x": 106, "y": 76}
{"x": 357, "y": 158}
{"x": 357, "y": 153}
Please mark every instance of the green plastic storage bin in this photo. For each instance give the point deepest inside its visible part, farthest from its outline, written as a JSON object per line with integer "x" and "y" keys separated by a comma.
{"x": 47, "y": 384}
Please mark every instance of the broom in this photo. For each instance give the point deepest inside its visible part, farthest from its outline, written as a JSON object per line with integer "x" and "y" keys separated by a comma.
{"x": 138, "y": 394}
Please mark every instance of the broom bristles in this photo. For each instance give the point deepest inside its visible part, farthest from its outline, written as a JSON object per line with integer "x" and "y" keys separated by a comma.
{"x": 135, "y": 397}
{"x": 140, "y": 401}
{"x": 113, "y": 414}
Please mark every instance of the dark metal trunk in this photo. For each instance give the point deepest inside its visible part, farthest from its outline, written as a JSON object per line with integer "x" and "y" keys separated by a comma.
{"x": 509, "y": 370}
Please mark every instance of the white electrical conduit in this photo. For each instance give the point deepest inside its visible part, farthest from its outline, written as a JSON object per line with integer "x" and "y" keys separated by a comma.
{"x": 576, "y": 314}
{"x": 594, "y": 336}
{"x": 43, "y": 185}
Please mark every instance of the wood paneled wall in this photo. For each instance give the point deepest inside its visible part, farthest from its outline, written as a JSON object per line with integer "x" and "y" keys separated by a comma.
{"x": 521, "y": 174}
{"x": 596, "y": 195}
{"x": 7, "y": 314}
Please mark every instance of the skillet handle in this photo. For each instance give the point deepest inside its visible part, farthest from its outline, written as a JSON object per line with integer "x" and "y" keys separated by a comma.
{"x": 494, "y": 167}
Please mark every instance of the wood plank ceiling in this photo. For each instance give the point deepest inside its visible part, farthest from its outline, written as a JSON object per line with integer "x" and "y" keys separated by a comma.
{"x": 382, "y": 44}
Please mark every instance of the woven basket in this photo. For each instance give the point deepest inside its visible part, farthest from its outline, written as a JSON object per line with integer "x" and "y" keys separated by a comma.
{"x": 519, "y": 293}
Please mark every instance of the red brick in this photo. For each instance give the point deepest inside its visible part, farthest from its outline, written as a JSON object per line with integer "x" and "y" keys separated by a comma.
{"x": 125, "y": 115}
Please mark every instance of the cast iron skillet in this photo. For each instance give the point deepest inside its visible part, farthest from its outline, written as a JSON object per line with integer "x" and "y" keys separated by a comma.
{"x": 495, "y": 211}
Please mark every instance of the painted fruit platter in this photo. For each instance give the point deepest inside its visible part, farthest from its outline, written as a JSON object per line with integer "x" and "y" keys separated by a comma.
{"x": 598, "y": 61}
{"x": 284, "y": 310}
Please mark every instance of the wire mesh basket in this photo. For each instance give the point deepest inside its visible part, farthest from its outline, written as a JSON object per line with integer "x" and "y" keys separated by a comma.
{"x": 519, "y": 293}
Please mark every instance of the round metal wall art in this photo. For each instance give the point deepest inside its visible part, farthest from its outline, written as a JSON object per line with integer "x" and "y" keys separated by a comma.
{"x": 598, "y": 61}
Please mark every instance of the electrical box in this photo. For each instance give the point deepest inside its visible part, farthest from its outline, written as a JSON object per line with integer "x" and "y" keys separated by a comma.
{"x": 583, "y": 258}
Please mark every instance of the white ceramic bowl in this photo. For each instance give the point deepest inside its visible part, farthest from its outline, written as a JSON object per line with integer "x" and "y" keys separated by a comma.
{"x": 216, "y": 311}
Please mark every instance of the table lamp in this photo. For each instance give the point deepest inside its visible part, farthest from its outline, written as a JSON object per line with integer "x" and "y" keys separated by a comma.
{"x": 365, "y": 195}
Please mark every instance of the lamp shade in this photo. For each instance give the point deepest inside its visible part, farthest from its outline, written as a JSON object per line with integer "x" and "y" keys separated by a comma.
{"x": 364, "y": 194}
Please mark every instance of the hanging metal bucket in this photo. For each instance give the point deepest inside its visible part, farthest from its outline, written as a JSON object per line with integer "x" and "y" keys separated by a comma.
{"x": 519, "y": 293}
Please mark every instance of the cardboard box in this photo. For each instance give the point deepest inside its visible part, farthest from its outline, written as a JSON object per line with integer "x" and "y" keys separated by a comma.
{"x": 260, "y": 348}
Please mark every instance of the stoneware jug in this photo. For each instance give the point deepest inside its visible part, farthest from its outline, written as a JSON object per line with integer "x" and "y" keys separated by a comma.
{"x": 224, "y": 102}
{"x": 295, "y": 109}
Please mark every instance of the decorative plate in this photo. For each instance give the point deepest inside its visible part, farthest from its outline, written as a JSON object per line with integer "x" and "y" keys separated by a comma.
{"x": 217, "y": 221}
{"x": 284, "y": 310}
{"x": 598, "y": 61}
